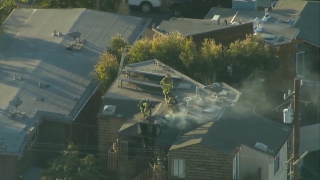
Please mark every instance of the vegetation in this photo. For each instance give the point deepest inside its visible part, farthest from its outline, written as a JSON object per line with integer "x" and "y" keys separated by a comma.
{"x": 70, "y": 167}
{"x": 106, "y": 70}
{"x": 211, "y": 60}
{"x": 90, "y": 4}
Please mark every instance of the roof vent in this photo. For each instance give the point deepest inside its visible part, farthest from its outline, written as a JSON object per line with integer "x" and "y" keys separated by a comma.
{"x": 269, "y": 36}
{"x": 266, "y": 15}
{"x": 108, "y": 109}
{"x": 216, "y": 20}
{"x": 55, "y": 33}
{"x": 261, "y": 146}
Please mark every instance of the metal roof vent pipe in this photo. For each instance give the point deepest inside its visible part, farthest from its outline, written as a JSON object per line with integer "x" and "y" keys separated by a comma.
{"x": 266, "y": 15}
{"x": 54, "y": 33}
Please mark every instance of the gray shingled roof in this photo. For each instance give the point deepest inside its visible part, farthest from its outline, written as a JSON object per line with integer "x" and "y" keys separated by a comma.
{"x": 309, "y": 23}
{"x": 29, "y": 50}
{"x": 235, "y": 128}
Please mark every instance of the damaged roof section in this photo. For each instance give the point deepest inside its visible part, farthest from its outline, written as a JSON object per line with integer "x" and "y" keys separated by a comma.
{"x": 142, "y": 81}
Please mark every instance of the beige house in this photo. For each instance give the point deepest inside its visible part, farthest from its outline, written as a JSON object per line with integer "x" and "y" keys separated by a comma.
{"x": 272, "y": 168}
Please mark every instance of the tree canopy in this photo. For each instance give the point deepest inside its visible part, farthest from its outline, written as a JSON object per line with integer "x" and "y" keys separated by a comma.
{"x": 209, "y": 61}
{"x": 106, "y": 70}
{"x": 70, "y": 167}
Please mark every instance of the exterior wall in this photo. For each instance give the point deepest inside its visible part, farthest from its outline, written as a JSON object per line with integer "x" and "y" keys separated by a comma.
{"x": 84, "y": 127}
{"x": 283, "y": 79}
{"x": 226, "y": 35}
{"x": 107, "y": 134}
{"x": 27, "y": 159}
{"x": 51, "y": 141}
{"x": 282, "y": 172}
{"x": 127, "y": 169}
{"x": 8, "y": 167}
{"x": 202, "y": 163}
{"x": 311, "y": 59}
{"x": 251, "y": 160}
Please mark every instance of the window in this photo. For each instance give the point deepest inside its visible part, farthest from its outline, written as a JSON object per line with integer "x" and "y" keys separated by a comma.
{"x": 300, "y": 62}
{"x": 236, "y": 167}
{"x": 32, "y": 138}
{"x": 178, "y": 168}
{"x": 68, "y": 131}
{"x": 276, "y": 164}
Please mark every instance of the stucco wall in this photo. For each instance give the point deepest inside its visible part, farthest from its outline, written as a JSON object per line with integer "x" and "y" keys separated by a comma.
{"x": 282, "y": 172}
{"x": 251, "y": 160}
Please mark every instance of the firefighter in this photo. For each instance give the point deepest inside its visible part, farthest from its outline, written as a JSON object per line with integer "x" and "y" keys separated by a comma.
{"x": 115, "y": 146}
{"x": 172, "y": 102}
{"x": 148, "y": 107}
{"x": 141, "y": 106}
{"x": 145, "y": 107}
{"x": 167, "y": 84}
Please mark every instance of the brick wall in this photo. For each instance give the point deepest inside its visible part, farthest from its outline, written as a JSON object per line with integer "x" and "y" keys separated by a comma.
{"x": 226, "y": 35}
{"x": 202, "y": 163}
{"x": 107, "y": 134}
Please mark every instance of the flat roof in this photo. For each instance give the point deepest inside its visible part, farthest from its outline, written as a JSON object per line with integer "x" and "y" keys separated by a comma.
{"x": 188, "y": 27}
{"x": 279, "y": 24}
{"x": 28, "y": 50}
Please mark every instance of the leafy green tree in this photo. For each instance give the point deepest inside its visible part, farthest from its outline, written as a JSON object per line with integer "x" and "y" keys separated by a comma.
{"x": 171, "y": 48}
{"x": 140, "y": 51}
{"x": 252, "y": 55}
{"x": 70, "y": 167}
{"x": 106, "y": 70}
{"x": 212, "y": 61}
{"x": 116, "y": 45}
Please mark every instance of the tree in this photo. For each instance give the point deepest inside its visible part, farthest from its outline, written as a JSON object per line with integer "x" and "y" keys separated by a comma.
{"x": 106, "y": 70}
{"x": 116, "y": 45}
{"x": 212, "y": 61}
{"x": 140, "y": 51}
{"x": 70, "y": 167}
{"x": 252, "y": 55}
{"x": 173, "y": 49}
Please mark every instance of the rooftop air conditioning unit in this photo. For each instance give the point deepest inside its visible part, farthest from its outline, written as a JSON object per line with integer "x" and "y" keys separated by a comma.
{"x": 216, "y": 20}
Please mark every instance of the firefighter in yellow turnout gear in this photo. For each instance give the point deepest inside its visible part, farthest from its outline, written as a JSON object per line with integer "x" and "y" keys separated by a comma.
{"x": 167, "y": 86}
{"x": 145, "y": 107}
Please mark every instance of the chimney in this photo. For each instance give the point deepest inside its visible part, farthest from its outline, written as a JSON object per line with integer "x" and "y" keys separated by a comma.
{"x": 54, "y": 33}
